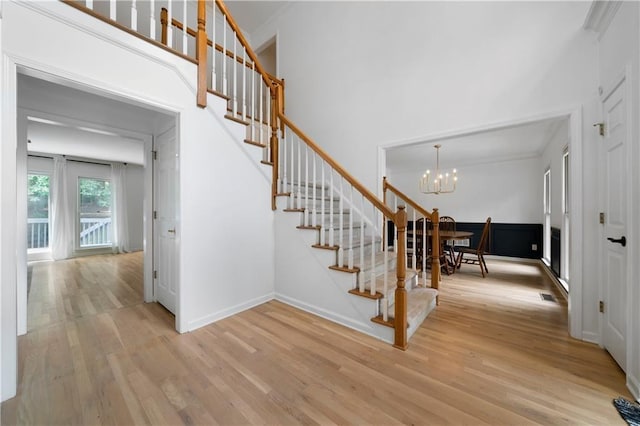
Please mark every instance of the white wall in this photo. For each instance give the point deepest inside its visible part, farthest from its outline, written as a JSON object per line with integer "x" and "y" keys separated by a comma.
{"x": 135, "y": 205}
{"x": 226, "y": 233}
{"x": 551, "y": 158}
{"x": 508, "y": 192}
{"x": 447, "y": 66}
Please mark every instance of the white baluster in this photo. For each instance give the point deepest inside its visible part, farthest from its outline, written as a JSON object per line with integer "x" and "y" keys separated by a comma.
{"x": 299, "y": 203}
{"x": 89, "y": 4}
{"x": 268, "y": 118}
{"x": 169, "y": 25}
{"x": 152, "y": 19}
{"x": 292, "y": 203}
{"x": 214, "y": 83}
{"x": 244, "y": 83}
{"x": 350, "y": 245}
{"x": 254, "y": 116}
{"x": 225, "y": 89}
{"x": 373, "y": 254}
{"x": 185, "y": 21}
{"x": 424, "y": 252}
{"x": 235, "y": 75}
{"x": 413, "y": 242}
{"x": 260, "y": 130}
{"x": 361, "y": 273}
{"x": 341, "y": 232}
{"x": 134, "y": 16}
{"x": 283, "y": 169}
{"x": 113, "y": 10}
{"x": 306, "y": 185}
{"x": 385, "y": 284}
{"x": 331, "y": 211}
{"x": 314, "y": 215}
{"x": 395, "y": 228}
{"x": 323, "y": 238}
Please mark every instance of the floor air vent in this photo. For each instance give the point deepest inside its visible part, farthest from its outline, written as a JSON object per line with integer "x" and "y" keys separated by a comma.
{"x": 547, "y": 297}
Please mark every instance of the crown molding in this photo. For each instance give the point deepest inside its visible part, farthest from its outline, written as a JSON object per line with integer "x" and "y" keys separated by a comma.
{"x": 600, "y": 15}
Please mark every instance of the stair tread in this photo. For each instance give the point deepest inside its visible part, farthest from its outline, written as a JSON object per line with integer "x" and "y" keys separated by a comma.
{"x": 379, "y": 260}
{"x": 392, "y": 282}
{"x": 418, "y": 299}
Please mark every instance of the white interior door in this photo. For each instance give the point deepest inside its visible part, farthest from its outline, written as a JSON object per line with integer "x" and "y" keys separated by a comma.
{"x": 165, "y": 226}
{"x": 615, "y": 224}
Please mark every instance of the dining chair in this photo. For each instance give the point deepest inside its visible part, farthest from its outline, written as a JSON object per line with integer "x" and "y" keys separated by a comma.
{"x": 447, "y": 223}
{"x": 478, "y": 252}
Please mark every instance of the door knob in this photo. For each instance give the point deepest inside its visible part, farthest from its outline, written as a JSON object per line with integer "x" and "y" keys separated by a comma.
{"x": 173, "y": 231}
{"x": 622, "y": 240}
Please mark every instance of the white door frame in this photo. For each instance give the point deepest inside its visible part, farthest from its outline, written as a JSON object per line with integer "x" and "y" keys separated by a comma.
{"x": 624, "y": 77}
{"x": 155, "y": 239}
{"x": 574, "y": 115}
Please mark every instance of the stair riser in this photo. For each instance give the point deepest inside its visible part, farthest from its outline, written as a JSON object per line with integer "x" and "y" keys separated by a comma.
{"x": 316, "y": 204}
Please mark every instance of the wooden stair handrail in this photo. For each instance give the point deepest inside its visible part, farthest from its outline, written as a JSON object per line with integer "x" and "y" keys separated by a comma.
{"x": 334, "y": 164}
{"x": 386, "y": 185}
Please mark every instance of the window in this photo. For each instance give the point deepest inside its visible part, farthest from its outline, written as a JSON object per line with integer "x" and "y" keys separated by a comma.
{"x": 94, "y": 210}
{"x": 564, "y": 246}
{"x": 546, "y": 252}
{"x": 38, "y": 186}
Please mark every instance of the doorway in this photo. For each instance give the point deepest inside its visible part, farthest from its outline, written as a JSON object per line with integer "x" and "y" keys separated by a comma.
{"x": 504, "y": 165}
{"x": 96, "y": 128}
{"x": 614, "y": 169}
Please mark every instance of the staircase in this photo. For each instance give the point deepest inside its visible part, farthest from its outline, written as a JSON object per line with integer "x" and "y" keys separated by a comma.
{"x": 331, "y": 258}
{"x": 364, "y": 275}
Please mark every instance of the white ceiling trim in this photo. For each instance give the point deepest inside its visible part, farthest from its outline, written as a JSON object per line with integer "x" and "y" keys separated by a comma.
{"x": 600, "y": 15}
{"x": 470, "y": 131}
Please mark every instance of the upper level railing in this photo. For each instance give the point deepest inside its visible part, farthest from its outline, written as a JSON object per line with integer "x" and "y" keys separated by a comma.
{"x": 208, "y": 36}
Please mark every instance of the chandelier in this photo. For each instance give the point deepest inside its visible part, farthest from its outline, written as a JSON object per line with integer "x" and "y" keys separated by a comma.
{"x": 438, "y": 183}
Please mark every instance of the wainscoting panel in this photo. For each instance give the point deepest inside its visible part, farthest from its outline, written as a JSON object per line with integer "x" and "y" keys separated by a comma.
{"x": 555, "y": 251}
{"x": 522, "y": 240}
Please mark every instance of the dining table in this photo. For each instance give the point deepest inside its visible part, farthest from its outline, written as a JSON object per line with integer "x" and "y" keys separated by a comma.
{"x": 445, "y": 235}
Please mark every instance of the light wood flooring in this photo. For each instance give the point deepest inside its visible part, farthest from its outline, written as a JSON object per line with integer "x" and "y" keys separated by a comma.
{"x": 492, "y": 353}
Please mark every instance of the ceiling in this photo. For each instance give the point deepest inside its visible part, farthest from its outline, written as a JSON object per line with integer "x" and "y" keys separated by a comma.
{"x": 251, "y": 14}
{"x": 508, "y": 143}
{"x": 70, "y": 121}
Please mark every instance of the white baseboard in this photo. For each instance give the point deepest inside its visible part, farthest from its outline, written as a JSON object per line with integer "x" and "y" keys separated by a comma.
{"x": 634, "y": 386}
{"x": 217, "y": 316}
{"x": 331, "y": 316}
{"x": 554, "y": 279}
{"x": 591, "y": 337}
{"x": 511, "y": 259}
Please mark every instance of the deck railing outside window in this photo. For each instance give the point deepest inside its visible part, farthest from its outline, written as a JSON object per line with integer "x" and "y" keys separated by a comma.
{"x": 37, "y": 233}
{"x": 95, "y": 232}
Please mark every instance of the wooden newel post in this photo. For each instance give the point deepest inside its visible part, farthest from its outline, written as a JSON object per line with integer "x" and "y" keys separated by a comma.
{"x": 400, "y": 314}
{"x": 164, "y": 22}
{"x": 435, "y": 251}
{"x": 274, "y": 144}
{"x": 201, "y": 53}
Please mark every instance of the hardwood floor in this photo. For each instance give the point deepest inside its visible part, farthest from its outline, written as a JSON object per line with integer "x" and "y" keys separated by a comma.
{"x": 492, "y": 353}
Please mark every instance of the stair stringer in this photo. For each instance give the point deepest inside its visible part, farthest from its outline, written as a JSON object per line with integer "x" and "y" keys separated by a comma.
{"x": 217, "y": 106}
{"x": 303, "y": 279}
